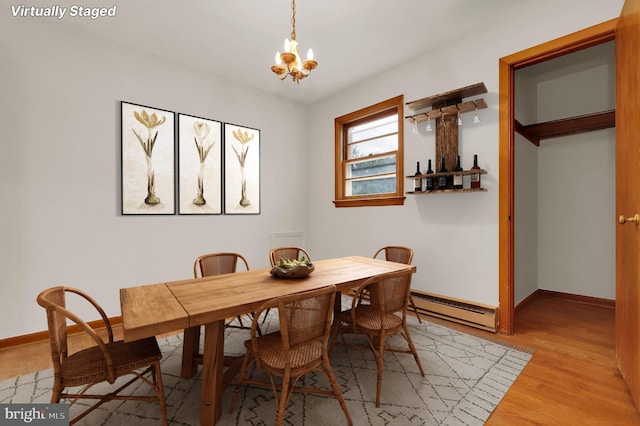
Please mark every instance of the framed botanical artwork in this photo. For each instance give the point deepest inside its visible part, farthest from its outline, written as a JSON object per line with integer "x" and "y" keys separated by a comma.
{"x": 148, "y": 157}
{"x": 199, "y": 165}
{"x": 241, "y": 170}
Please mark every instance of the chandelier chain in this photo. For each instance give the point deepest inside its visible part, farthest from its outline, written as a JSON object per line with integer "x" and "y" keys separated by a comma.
{"x": 289, "y": 62}
{"x": 293, "y": 20}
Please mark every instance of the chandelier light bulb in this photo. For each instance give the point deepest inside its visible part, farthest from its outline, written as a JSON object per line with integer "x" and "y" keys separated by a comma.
{"x": 278, "y": 61}
{"x": 310, "y": 55}
{"x": 293, "y": 47}
{"x": 287, "y": 45}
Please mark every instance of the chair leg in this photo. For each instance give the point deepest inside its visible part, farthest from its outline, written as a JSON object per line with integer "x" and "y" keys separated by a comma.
{"x": 240, "y": 321}
{"x": 335, "y": 334}
{"x": 258, "y": 329}
{"x": 57, "y": 391}
{"x": 380, "y": 365}
{"x": 266, "y": 314}
{"x": 282, "y": 403}
{"x": 415, "y": 309}
{"x": 413, "y": 349}
{"x": 157, "y": 380}
{"x": 336, "y": 388}
{"x": 243, "y": 372}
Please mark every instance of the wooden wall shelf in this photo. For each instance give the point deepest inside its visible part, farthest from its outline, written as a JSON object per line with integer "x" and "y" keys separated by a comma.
{"x": 442, "y": 99}
{"x": 462, "y": 172}
{"x": 445, "y": 108}
{"x": 448, "y": 190}
{"x": 462, "y": 107}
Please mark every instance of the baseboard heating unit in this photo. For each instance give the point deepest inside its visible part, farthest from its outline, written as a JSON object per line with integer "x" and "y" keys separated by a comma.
{"x": 472, "y": 314}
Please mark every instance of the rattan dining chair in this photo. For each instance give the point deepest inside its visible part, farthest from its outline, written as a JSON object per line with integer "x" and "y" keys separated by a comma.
{"x": 300, "y": 347}
{"x": 286, "y": 253}
{"x": 381, "y": 315}
{"x": 215, "y": 264}
{"x": 104, "y": 362}
{"x": 218, "y": 263}
{"x": 290, "y": 253}
{"x": 400, "y": 254}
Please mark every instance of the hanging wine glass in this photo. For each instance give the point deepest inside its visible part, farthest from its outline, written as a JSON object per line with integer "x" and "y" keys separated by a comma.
{"x": 459, "y": 119}
{"x": 476, "y": 118}
{"x": 429, "y": 128}
{"x": 415, "y": 130}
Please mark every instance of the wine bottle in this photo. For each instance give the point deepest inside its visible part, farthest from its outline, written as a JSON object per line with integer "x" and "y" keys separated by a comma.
{"x": 418, "y": 180}
{"x": 428, "y": 185}
{"x": 475, "y": 177}
{"x": 442, "y": 179}
{"x": 457, "y": 177}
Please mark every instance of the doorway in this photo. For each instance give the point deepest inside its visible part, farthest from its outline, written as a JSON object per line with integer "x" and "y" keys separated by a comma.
{"x": 564, "y": 173}
{"x": 574, "y": 42}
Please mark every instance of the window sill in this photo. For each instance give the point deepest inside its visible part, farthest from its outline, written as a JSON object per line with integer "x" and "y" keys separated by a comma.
{"x": 366, "y": 202}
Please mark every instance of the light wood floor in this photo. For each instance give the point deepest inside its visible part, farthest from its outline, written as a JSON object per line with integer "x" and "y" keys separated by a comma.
{"x": 572, "y": 378}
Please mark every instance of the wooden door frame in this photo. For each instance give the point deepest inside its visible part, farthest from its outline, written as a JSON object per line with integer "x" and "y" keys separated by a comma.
{"x": 564, "y": 45}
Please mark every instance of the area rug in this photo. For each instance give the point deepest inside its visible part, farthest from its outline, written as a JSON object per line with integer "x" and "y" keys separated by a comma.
{"x": 466, "y": 377}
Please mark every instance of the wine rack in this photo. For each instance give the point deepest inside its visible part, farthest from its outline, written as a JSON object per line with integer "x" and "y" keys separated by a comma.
{"x": 445, "y": 109}
{"x": 435, "y": 177}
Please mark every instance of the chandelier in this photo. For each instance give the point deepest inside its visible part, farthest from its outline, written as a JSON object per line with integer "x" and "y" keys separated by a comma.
{"x": 288, "y": 62}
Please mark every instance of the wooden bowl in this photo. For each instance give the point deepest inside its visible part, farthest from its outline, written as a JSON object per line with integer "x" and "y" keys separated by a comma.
{"x": 299, "y": 271}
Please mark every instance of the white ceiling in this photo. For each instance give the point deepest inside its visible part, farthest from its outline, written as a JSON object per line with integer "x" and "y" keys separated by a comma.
{"x": 237, "y": 39}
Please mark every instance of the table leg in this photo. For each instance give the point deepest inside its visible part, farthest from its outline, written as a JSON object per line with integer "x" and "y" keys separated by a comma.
{"x": 212, "y": 373}
{"x": 337, "y": 308}
{"x": 190, "y": 348}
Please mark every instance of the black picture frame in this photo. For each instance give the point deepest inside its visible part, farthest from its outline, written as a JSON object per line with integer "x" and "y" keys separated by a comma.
{"x": 147, "y": 160}
{"x": 200, "y": 145}
{"x": 241, "y": 169}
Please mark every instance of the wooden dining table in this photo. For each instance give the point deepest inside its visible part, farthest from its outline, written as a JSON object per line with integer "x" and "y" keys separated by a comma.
{"x": 151, "y": 310}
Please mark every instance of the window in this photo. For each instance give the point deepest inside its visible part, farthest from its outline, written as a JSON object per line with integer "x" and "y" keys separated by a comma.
{"x": 369, "y": 164}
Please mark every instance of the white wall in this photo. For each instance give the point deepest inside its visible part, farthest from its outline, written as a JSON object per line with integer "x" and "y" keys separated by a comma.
{"x": 576, "y": 199}
{"x": 454, "y": 236}
{"x": 579, "y": 83}
{"x": 60, "y": 170}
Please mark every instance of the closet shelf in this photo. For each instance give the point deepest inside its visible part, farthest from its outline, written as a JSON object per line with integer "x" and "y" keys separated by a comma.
{"x": 566, "y": 126}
